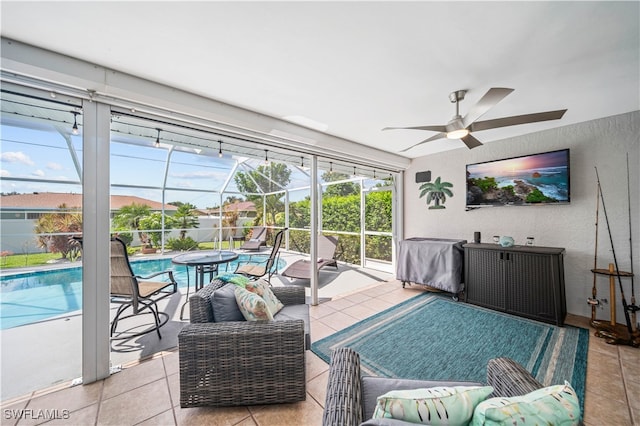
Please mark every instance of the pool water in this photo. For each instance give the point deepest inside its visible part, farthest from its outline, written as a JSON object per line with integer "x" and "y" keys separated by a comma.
{"x": 36, "y": 296}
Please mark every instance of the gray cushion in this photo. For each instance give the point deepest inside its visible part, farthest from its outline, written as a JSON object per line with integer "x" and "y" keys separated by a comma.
{"x": 373, "y": 387}
{"x": 294, "y": 312}
{"x": 224, "y": 304}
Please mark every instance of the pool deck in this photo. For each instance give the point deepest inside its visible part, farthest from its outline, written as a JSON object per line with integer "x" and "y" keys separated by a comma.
{"x": 49, "y": 353}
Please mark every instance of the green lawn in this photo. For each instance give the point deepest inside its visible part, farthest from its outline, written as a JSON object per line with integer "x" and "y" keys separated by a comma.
{"x": 25, "y": 260}
{"x": 39, "y": 259}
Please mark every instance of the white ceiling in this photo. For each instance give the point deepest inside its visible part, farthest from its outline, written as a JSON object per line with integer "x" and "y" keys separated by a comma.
{"x": 357, "y": 67}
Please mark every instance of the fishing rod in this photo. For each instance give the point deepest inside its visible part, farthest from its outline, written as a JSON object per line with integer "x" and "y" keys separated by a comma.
{"x": 615, "y": 261}
{"x": 593, "y": 301}
{"x": 633, "y": 307}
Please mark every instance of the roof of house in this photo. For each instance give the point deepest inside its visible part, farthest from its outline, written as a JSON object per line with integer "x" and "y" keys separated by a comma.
{"x": 242, "y": 206}
{"x": 53, "y": 200}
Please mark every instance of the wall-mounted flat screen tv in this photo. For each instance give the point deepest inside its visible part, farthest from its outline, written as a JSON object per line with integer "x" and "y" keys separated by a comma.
{"x": 527, "y": 180}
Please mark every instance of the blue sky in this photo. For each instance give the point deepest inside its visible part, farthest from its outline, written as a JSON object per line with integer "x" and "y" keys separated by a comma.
{"x": 43, "y": 154}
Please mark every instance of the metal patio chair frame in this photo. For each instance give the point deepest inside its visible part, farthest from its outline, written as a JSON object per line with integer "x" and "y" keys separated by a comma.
{"x": 136, "y": 292}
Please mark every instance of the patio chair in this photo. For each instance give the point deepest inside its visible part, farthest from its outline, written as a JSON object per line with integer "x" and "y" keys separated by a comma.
{"x": 326, "y": 257}
{"x": 258, "y": 239}
{"x": 259, "y": 268}
{"x": 136, "y": 292}
{"x": 233, "y": 362}
{"x": 351, "y": 396}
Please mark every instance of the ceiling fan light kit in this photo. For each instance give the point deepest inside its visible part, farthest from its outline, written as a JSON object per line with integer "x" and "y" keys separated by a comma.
{"x": 462, "y": 127}
{"x": 457, "y": 134}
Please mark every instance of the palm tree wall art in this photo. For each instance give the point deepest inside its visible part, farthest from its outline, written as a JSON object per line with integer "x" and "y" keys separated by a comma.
{"x": 436, "y": 192}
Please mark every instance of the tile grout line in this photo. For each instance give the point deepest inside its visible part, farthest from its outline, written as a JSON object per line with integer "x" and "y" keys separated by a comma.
{"x": 624, "y": 385}
{"x": 166, "y": 379}
{"x": 99, "y": 408}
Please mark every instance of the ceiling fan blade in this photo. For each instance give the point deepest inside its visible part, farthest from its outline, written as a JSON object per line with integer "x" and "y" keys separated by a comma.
{"x": 517, "y": 119}
{"x": 488, "y": 101}
{"x": 432, "y": 128}
{"x": 432, "y": 138}
{"x": 471, "y": 142}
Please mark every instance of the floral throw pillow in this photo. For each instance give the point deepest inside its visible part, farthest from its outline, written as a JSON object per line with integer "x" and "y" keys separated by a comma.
{"x": 553, "y": 405}
{"x": 261, "y": 288}
{"x": 442, "y": 405}
{"x": 252, "y": 306}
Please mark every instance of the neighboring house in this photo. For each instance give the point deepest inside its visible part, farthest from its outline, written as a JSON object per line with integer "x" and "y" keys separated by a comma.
{"x": 32, "y": 206}
{"x": 245, "y": 209}
{"x": 19, "y": 213}
{"x": 246, "y": 213}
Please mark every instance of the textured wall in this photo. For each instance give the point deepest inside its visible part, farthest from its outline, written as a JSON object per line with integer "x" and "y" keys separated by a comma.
{"x": 603, "y": 143}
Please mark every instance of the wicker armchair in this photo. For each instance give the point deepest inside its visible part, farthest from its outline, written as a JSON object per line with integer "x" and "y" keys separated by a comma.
{"x": 351, "y": 398}
{"x": 242, "y": 362}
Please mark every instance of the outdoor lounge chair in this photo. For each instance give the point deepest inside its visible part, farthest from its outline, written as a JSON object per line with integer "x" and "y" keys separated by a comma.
{"x": 326, "y": 257}
{"x": 227, "y": 362}
{"x": 351, "y": 396}
{"x": 258, "y": 239}
{"x": 259, "y": 268}
{"x": 136, "y": 292}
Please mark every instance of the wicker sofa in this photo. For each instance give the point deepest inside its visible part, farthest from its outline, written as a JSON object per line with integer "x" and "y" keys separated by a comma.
{"x": 351, "y": 397}
{"x": 244, "y": 362}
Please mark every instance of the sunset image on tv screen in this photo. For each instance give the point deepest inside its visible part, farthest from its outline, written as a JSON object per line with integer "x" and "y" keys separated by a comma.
{"x": 531, "y": 179}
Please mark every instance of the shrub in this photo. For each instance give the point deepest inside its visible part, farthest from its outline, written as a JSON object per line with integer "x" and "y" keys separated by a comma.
{"x": 126, "y": 237}
{"x": 54, "y": 231}
{"x": 182, "y": 244}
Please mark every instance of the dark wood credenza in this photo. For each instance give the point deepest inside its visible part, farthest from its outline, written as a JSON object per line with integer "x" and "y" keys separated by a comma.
{"x": 520, "y": 280}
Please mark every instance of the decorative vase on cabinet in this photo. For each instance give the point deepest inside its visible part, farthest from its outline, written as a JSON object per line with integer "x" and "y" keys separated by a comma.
{"x": 506, "y": 241}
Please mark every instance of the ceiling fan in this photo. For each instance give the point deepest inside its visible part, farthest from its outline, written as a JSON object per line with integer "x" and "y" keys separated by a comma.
{"x": 462, "y": 127}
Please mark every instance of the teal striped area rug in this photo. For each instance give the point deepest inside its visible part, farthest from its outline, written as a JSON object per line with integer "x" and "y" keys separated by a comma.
{"x": 432, "y": 337}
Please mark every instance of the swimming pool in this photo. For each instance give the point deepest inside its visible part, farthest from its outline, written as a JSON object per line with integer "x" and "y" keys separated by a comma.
{"x": 40, "y": 295}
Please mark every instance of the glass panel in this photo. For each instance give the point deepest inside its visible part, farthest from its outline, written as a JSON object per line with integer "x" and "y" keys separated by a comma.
{"x": 378, "y": 223}
{"x": 341, "y": 213}
{"x": 299, "y": 220}
{"x": 197, "y": 216}
{"x": 191, "y": 171}
{"x": 263, "y": 184}
{"x": 134, "y": 164}
{"x": 40, "y": 153}
{"x": 41, "y": 283}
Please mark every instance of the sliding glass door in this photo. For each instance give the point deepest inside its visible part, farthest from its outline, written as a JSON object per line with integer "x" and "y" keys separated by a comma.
{"x": 41, "y": 214}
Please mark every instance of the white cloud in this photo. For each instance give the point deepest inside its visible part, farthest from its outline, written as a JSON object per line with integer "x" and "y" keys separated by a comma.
{"x": 196, "y": 175}
{"x": 184, "y": 184}
{"x": 4, "y": 173}
{"x": 16, "y": 157}
{"x": 38, "y": 173}
{"x": 54, "y": 166}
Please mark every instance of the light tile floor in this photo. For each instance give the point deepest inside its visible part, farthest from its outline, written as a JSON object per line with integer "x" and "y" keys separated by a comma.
{"x": 147, "y": 392}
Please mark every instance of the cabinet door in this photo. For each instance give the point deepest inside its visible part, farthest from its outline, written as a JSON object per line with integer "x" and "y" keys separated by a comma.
{"x": 484, "y": 283}
{"x": 529, "y": 285}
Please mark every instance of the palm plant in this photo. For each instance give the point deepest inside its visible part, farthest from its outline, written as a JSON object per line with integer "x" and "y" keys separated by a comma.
{"x": 128, "y": 217}
{"x": 153, "y": 223}
{"x": 184, "y": 219}
{"x": 437, "y": 192}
